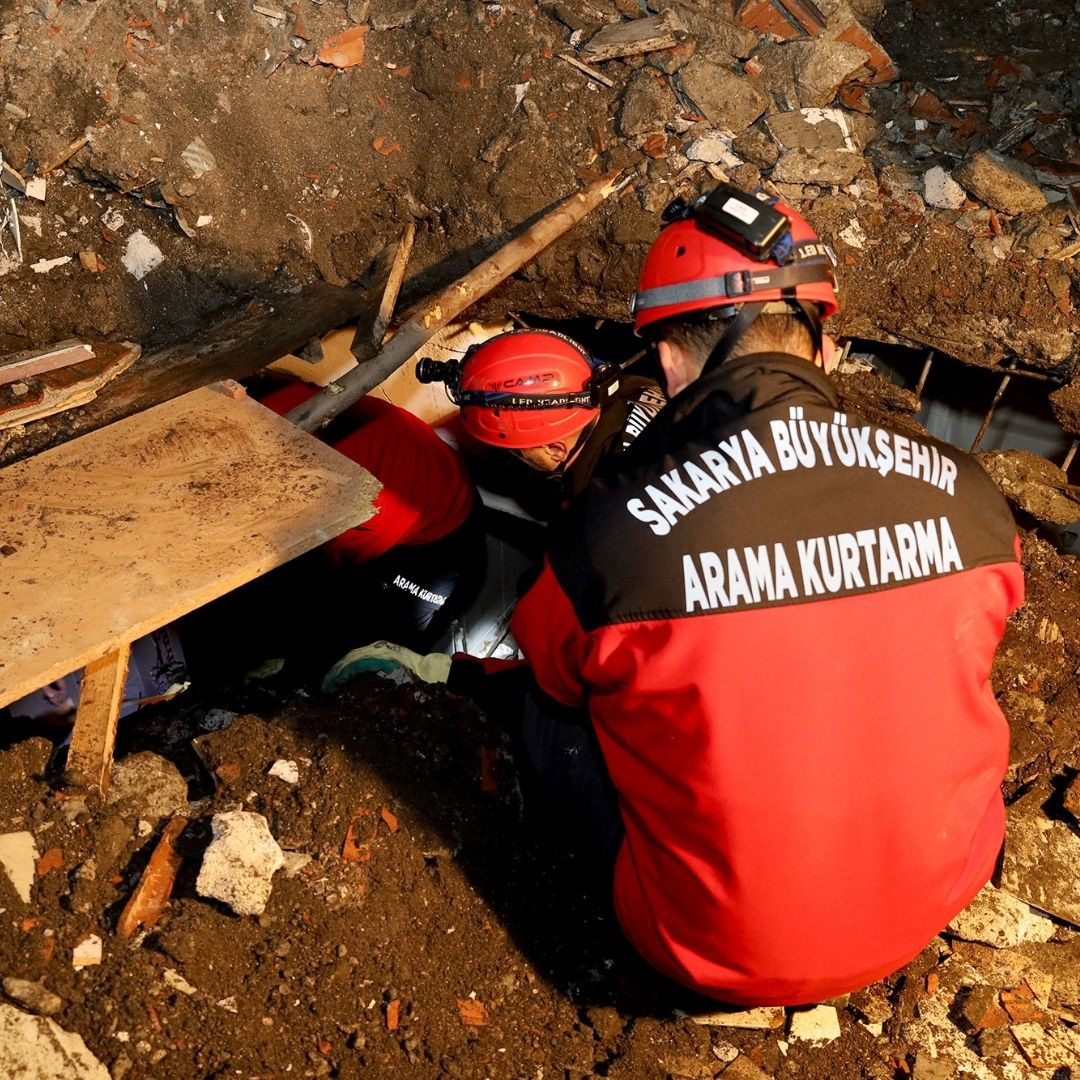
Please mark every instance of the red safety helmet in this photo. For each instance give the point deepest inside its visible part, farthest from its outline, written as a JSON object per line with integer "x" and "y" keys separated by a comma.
{"x": 524, "y": 388}
{"x": 690, "y": 268}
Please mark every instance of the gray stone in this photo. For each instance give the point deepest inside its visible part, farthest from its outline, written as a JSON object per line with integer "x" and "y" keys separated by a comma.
{"x": 239, "y": 865}
{"x": 726, "y": 99}
{"x": 811, "y": 129}
{"x": 933, "y": 1068}
{"x": 33, "y": 996}
{"x": 147, "y": 785}
{"x": 833, "y": 167}
{"x": 807, "y": 74}
{"x": 996, "y": 918}
{"x": 393, "y": 15}
{"x": 941, "y": 190}
{"x": 1006, "y": 185}
{"x": 755, "y": 146}
{"x": 36, "y": 1048}
{"x": 867, "y": 11}
{"x": 647, "y": 104}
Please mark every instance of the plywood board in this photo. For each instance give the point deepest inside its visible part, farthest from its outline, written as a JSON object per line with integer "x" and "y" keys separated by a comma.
{"x": 111, "y": 535}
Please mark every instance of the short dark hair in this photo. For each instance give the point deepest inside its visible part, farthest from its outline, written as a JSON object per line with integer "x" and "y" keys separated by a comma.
{"x": 767, "y": 333}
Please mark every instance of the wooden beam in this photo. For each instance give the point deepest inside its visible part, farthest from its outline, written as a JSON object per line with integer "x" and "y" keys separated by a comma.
{"x": 389, "y": 274}
{"x": 630, "y": 38}
{"x": 244, "y": 339}
{"x": 435, "y": 313}
{"x": 90, "y": 755}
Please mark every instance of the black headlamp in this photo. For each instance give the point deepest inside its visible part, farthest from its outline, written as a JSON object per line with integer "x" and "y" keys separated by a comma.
{"x": 743, "y": 220}
{"x": 601, "y": 385}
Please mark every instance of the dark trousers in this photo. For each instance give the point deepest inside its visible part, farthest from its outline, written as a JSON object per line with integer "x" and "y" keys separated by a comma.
{"x": 311, "y": 613}
{"x": 564, "y": 780}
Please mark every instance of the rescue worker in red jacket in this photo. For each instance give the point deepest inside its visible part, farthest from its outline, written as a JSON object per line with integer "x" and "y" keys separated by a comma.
{"x": 550, "y": 417}
{"x": 780, "y": 619}
{"x": 403, "y": 574}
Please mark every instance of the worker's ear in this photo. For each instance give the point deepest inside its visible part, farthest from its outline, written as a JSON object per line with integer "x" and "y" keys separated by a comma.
{"x": 680, "y": 368}
{"x": 829, "y": 356}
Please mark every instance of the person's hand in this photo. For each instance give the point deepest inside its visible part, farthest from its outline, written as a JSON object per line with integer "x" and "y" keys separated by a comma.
{"x": 386, "y": 658}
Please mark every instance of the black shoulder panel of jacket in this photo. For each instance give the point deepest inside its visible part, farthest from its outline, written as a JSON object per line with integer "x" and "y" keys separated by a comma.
{"x": 760, "y": 493}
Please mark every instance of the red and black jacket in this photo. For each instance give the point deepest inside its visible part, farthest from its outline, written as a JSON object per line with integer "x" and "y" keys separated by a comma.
{"x": 782, "y": 620}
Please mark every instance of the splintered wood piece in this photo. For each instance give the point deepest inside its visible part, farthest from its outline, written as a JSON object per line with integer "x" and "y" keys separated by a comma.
{"x": 630, "y": 38}
{"x": 64, "y": 388}
{"x": 434, "y": 314}
{"x": 386, "y": 283}
{"x": 22, "y": 365}
{"x": 117, "y": 533}
{"x": 90, "y": 756}
{"x": 156, "y": 884}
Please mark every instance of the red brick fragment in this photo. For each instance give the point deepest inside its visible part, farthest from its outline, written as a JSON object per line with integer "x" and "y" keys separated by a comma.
{"x": 881, "y": 67}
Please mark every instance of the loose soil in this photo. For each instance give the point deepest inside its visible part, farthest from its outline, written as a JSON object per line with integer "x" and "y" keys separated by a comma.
{"x": 463, "y": 907}
{"x": 464, "y": 937}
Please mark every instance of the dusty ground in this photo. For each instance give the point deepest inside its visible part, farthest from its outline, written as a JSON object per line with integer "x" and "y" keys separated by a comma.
{"x": 463, "y": 119}
{"x": 455, "y": 898}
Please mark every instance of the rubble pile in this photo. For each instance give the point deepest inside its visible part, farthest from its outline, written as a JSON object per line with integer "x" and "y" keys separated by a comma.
{"x": 196, "y": 151}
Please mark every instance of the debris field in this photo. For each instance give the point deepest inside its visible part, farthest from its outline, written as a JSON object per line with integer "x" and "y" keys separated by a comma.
{"x": 353, "y": 885}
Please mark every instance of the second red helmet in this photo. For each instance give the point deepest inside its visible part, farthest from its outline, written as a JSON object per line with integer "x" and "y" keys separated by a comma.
{"x": 524, "y": 389}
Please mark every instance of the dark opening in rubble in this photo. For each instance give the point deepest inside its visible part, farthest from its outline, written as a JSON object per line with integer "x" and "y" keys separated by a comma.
{"x": 957, "y": 398}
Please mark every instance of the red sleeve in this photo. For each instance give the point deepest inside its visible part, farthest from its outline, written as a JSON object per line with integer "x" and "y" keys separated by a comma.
{"x": 549, "y": 634}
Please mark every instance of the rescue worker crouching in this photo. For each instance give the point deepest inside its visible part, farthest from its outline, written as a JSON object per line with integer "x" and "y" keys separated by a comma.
{"x": 557, "y": 414}
{"x": 779, "y": 621}
{"x": 551, "y": 417}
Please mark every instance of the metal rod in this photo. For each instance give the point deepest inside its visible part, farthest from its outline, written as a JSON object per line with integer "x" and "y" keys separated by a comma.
{"x": 1070, "y": 455}
{"x": 923, "y": 375}
{"x": 993, "y": 406}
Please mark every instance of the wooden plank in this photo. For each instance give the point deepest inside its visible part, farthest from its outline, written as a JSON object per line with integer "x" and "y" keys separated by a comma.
{"x": 90, "y": 756}
{"x": 389, "y": 275}
{"x": 114, "y": 534}
{"x": 22, "y": 365}
{"x": 242, "y": 340}
{"x": 629, "y": 38}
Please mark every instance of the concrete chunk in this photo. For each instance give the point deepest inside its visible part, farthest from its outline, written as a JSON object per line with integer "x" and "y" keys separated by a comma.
{"x": 240, "y": 862}
{"x": 817, "y": 1026}
{"x": 941, "y": 190}
{"x": 1042, "y": 859}
{"x": 727, "y": 100}
{"x": 18, "y": 854}
{"x": 765, "y": 1018}
{"x": 1001, "y": 182}
{"x": 147, "y": 785}
{"x": 999, "y": 919}
{"x": 832, "y": 167}
{"x": 36, "y": 1048}
{"x": 812, "y": 129}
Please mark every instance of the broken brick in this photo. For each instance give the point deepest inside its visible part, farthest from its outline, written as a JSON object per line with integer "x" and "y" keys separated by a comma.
{"x": 979, "y": 1010}
{"x": 53, "y": 859}
{"x": 764, "y": 17}
{"x": 473, "y": 1013}
{"x": 881, "y": 66}
{"x": 393, "y": 1014}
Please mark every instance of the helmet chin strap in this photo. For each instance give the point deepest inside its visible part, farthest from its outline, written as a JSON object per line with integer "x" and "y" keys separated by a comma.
{"x": 735, "y": 330}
